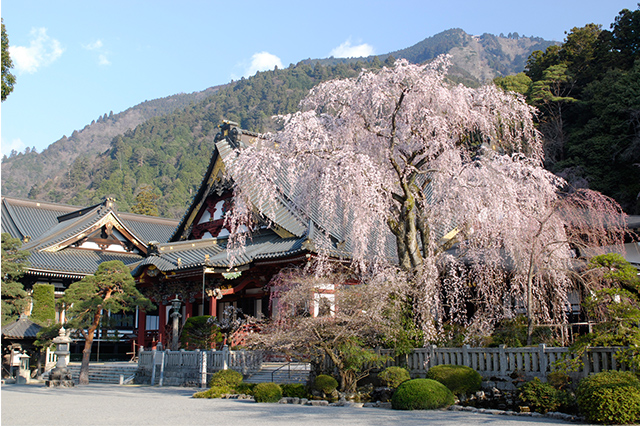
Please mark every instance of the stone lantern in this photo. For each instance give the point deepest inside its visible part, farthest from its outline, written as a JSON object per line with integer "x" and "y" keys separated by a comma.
{"x": 60, "y": 375}
{"x": 24, "y": 371}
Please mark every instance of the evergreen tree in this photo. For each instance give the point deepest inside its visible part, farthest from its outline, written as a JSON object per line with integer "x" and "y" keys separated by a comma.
{"x": 146, "y": 202}
{"x": 587, "y": 94}
{"x": 111, "y": 289}
{"x": 44, "y": 310}
{"x": 8, "y": 79}
{"x": 14, "y": 264}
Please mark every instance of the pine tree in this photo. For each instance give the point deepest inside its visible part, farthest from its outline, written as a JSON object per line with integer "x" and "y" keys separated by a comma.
{"x": 111, "y": 289}
{"x": 14, "y": 264}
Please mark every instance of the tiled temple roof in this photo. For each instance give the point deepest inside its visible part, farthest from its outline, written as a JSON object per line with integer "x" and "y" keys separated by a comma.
{"x": 182, "y": 255}
{"x": 23, "y": 328}
{"x": 50, "y": 230}
{"x": 74, "y": 263}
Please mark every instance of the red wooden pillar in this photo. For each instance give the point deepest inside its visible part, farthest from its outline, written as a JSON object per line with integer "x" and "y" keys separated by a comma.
{"x": 188, "y": 311}
{"x": 162, "y": 323}
{"x": 213, "y": 306}
{"x": 142, "y": 328}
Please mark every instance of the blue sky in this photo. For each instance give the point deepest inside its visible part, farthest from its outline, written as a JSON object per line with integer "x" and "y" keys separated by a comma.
{"x": 77, "y": 60}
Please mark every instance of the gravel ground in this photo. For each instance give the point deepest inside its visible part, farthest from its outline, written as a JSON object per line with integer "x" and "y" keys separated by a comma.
{"x": 145, "y": 405}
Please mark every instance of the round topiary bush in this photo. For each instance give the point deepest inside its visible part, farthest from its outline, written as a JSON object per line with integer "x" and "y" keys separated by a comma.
{"x": 326, "y": 384}
{"x": 294, "y": 390}
{"x": 267, "y": 392}
{"x": 421, "y": 394}
{"x": 458, "y": 378}
{"x": 394, "y": 376}
{"x": 229, "y": 378}
{"x": 611, "y": 397}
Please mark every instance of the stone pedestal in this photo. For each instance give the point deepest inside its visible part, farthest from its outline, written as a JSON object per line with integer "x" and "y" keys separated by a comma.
{"x": 61, "y": 376}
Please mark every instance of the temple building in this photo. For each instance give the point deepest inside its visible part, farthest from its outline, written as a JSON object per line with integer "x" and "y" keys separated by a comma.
{"x": 194, "y": 264}
{"x": 67, "y": 243}
{"x": 186, "y": 258}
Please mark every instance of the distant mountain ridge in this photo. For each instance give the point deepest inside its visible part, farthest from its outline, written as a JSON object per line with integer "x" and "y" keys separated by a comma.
{"x": 476, "y": 59}
{"x": 47, "y": 175}
{"x": 20, "y": 172}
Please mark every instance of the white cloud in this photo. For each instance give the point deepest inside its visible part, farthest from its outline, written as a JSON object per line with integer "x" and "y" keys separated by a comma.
{"x": 15, "y": 144}
{"x": 346, "y": 50}
{"x": 94, "y": 45}
{"x": 42, "y": 51}
{"x": 98, "y": 47}
{"x": 102, "y": 59}
{"x": 262, "y": 61}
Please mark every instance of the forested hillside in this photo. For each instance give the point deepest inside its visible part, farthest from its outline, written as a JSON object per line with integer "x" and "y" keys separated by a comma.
{"x": 588, "y": 94}
{"x": 20, "y": 171}
{"x": 165, "y": 157}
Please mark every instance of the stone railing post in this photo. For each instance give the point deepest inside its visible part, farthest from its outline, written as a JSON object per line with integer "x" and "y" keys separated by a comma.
{"x": 432, "y": 357}
{"x": 465, "y": 356}
{"x": 225, "y": 357}
{"x": 203, "y": 369}
{"x": 503, "y": 360}
{"x": 586, "y": 360}
{"x": 244, "y": 362}
{"x": 153, "y": 367}
{"x": 163, "y": 359}
{"x": 543, "y": 360}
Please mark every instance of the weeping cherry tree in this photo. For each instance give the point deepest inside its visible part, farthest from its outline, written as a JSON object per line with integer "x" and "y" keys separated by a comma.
{"x": 451, "y": 175}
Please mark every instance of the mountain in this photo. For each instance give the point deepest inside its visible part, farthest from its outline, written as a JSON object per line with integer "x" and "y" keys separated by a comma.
{"x": 21, "y": 171}
{"x": 476, "y": 59}
{"x": 166, "y": 143}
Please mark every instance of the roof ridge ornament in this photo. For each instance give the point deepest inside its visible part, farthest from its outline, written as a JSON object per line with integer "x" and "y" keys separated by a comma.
{"x": 110, "y": 203}
{"x": 229, "y": 130}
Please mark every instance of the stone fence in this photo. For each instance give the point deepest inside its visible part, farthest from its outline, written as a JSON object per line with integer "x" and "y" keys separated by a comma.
{"x": 177, "y": 368}
{"x": 503, "y": 362}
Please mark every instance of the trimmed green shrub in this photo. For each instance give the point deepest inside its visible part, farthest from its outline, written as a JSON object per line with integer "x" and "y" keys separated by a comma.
{"x": 44, "y": 305}
{"x": 228, "y": 378}
{"x": 326, "y": 384}
{"x": 421, "y": 394}
{"x": 394, "y": 376}
{"x": 540, "y": 397}
{"x": 214, "y": 392}
{"x": 245, "y": 388}
{"x": 458, "y": 378}
{"x": 294, "y": 390}
{"x": 267, "y": 392}
{"x": 610, "y": 397}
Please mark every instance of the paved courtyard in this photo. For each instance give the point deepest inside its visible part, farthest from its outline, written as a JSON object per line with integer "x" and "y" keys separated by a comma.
{"x": 145, "y": 405}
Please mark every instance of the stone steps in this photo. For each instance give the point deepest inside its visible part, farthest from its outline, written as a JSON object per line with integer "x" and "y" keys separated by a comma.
{"x": 281, "y": 372}
{"x": 103, "y": 372}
